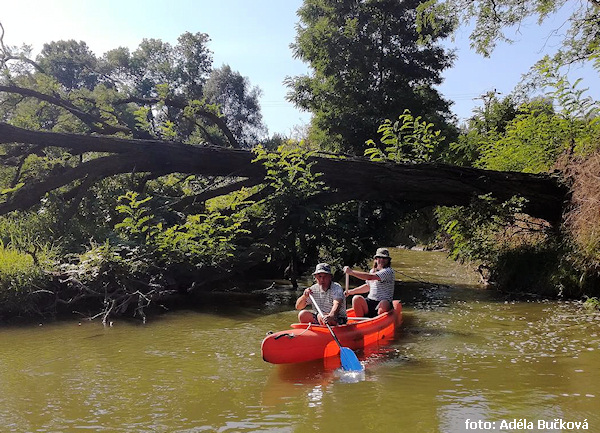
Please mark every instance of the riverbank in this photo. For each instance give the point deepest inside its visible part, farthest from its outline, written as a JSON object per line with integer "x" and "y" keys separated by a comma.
{"x": 417, "y": 270}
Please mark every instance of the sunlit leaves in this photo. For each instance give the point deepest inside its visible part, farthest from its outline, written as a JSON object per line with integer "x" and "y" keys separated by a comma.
{"x": 137, "y": 216}
{"x": 531, "y": 143}
{"x": 409, "y": 139}
{"x": 202, "y": 239}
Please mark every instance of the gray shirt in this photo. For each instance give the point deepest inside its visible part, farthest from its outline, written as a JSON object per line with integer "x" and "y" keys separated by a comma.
{"x": 325, "y": 298}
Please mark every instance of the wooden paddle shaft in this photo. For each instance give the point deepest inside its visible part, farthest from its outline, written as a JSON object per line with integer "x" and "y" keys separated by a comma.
{"x": 327, "y": 324}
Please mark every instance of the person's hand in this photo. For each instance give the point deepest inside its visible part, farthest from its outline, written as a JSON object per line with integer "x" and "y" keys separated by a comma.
{"x": 307, "y": 293}
{"x": 347, "y": 270}
{"x": 347, "y": 293}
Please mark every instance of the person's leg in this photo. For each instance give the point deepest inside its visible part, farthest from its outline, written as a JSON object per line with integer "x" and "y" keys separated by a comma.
{"x": 360, "y": 306}
{"x": 383, "y": 307}
{"x": 306, "y": 316}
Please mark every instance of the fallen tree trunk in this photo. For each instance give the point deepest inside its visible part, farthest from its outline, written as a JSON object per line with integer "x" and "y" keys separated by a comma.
{"x": 418, "y": 185}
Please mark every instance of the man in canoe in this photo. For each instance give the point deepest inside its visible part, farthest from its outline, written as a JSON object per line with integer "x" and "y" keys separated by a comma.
{"x": 328, "y": 295}
{"x": 379, "y": 284}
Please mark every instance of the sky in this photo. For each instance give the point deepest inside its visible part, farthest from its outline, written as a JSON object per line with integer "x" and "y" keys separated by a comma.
{"x": 253, "y": 37}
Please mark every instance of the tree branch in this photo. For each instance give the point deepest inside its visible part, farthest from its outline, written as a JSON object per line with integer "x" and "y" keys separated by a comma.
{"x": 94, "y": 123}
{"x": 349, "y": 178}
{"x": 182, "y": 104}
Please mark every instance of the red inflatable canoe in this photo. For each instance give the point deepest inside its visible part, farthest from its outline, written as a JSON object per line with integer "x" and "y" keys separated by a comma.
{"x": 307, "y": 342}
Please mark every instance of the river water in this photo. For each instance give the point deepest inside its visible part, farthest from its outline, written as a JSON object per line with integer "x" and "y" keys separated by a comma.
{"x": 465, "y": 360}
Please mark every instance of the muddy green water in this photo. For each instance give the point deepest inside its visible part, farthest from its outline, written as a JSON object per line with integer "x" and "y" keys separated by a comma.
{"x": 465, "y": 360}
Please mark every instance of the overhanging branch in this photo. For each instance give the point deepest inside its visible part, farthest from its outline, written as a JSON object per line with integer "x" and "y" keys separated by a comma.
{"x": 349, "y": 178}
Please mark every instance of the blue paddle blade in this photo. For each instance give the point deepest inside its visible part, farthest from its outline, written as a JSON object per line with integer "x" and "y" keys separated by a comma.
{"x": 349, "y": 360}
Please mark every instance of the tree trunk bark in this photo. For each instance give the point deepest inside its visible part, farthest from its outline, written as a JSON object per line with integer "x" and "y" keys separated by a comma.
{"x": 415, "y": 185}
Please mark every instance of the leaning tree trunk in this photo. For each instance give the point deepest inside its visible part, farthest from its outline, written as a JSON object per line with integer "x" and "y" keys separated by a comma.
{"x": 418, "y": 185}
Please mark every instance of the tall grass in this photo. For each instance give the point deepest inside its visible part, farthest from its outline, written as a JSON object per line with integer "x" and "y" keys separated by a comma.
{"x": 25, "y": 254}
{"x": 20, "y": 278}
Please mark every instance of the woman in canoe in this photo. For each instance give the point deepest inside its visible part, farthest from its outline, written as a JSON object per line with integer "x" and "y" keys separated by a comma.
{"x": 379, "y": 284}
{"x": 328, "y": 295}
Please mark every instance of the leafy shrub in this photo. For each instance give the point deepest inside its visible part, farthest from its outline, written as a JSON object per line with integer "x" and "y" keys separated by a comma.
{"x": 203, "y": 239}
{"x": 476, "y": 231}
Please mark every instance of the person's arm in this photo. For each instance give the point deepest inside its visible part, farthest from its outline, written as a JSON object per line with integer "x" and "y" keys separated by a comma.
{"x": 302, "y": 301}
{"x": 358, "y": 290}
{"x": 361, "y": 274}
{"x": 334, "y": 310}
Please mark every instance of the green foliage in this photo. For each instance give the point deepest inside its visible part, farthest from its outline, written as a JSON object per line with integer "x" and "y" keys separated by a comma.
{"x": 109, "y": 266}
{"x": 12, "y": 189}
{"x": 31, "y": 233}
{"x": 27, "y": 255}
{"x": 238, "y": 102}
{"x": 592, "y": 303}
{"x": 580, "y": 111}
{"x": 142, "y": 115}
{"x": 475, "y": 231}
{"x": 408, "y": 139}
{"x": 71, "y": 63}
{"x": 531, "y": 137}
{"x": 291, "y": 182}
{"x": 367, "y": 65}
{"x": 289, "y": 173}
{"x": 136, "y": 223}
{"x": 466, "y": 150}
{"x": 305, "y": 233}
{"x": 487, "y": 125}
{"x": 490, "y": 20}
{"x": 531, "y": 143}
{"x": 204, "y": 239}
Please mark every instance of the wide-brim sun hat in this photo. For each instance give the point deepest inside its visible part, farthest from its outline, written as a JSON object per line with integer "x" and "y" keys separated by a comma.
{"x": 322, "y": 268}
{"x": 382, "y": 252}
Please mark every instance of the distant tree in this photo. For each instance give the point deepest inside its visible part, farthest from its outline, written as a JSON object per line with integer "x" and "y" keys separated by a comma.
{"x": 158, "y": 91}
{"x": 367, "y": 66}
{"x": 72, "y": 64}
{"x": 185, "y": 67}
{"x": 239, "y": 102}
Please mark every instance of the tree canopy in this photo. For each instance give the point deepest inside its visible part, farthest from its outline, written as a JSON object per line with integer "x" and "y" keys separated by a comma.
{"x": 156, "y": 91}
{"x": 493, "y": 18}
{"x": 367, "y": 65}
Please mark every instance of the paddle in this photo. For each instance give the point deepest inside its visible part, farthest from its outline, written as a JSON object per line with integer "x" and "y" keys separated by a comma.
{"x": 349, "y": 360}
